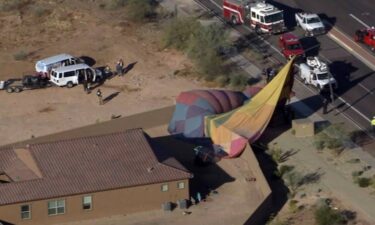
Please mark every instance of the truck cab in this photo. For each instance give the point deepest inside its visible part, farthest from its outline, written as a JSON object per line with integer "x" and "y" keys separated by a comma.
{"x": 290, "y": 45}
{"x": 262, "y": 17}
{"x": 366, "y": 36}
{"x": 310, "y": 23}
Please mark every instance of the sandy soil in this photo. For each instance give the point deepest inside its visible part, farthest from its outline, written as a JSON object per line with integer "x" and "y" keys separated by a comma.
{"x": 88, "y": 32}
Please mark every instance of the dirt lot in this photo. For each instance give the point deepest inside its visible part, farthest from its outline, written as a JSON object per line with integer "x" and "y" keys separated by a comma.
{"x": 90, "y": 32}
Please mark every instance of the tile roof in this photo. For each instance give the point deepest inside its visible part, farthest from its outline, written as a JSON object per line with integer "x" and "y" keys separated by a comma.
{"x": 89, "y": 164}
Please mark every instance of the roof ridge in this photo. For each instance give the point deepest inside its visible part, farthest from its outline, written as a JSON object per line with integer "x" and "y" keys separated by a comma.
{"x": 85, "y": 137}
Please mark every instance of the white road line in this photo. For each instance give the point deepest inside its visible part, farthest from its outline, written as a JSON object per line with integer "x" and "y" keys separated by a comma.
{"x": 278, "y": 51}
{"x": 359, "y": 21}
{"x": 368, "y": 90}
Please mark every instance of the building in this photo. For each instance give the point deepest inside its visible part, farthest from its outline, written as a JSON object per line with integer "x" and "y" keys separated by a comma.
{"x": 86, "y": 178}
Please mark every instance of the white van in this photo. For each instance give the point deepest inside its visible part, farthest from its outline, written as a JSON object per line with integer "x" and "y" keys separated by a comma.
{"x": 74, "y": 74}
{"x": 45, "y": 65}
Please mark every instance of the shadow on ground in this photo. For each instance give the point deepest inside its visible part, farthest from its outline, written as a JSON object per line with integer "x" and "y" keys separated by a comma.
{"x": 206, "y": 178}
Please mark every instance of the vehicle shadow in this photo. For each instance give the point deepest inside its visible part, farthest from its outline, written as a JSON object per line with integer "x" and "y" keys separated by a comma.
{"x": 307, "y": 106}
{"x": 88, "y": 60}
{"x": 311, "y": 46}
{"x": 329, "y": 22}
{"x": 289, "y": 14}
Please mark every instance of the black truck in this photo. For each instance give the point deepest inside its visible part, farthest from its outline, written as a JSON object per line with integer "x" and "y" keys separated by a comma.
{"x": 27, "y": 82}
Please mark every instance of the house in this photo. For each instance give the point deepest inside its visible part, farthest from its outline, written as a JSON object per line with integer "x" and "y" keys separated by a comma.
{"x": 86, "y": 178}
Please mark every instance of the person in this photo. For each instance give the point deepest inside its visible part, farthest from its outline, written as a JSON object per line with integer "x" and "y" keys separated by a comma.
{"x": 100, "y": 97}
{"x": 373, "y": 124}
{"x": 120, "y": 67}
{"x": 325, "y": 105}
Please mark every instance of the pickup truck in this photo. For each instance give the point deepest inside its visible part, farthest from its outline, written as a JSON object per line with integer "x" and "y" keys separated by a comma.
{"x": 310, "y": 23}
{"x": 290, "y": 45}
{"x": 27, "y": 82}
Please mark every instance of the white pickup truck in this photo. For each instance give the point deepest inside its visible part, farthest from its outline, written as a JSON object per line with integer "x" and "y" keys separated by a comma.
{"x": 310, "y": 23}
{"x": 315, "y": 72}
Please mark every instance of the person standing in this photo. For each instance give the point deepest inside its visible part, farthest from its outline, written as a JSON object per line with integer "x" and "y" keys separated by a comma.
{"x": 100, "y": 97}
{"x": 325, "y": 105}
{"x": 373, "y": 124}
{"x": 120, "y": 67}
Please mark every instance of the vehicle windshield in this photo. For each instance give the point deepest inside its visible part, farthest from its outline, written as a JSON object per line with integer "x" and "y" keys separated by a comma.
{"x": 274, "y": 17}
{"x": 323, "y": 76}
{"x": 294, "y": 47}
{"x": 313, "y": 20}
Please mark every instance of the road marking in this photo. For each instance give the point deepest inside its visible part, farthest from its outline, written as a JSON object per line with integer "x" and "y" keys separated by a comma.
{"x": 359, "y": 21}
{"x": 368, "y": 90}
{"x": 278, "y": 51}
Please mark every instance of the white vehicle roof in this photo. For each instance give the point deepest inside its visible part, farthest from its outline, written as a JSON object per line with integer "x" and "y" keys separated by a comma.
{"x": 308, "y": 15}
{"x": 70, "y": 68}
{"x": 265, "y": 8}
{"x": 55, "y": 58}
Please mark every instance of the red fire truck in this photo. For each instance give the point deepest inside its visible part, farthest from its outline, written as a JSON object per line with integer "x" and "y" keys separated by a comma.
{"x": 262, "y": 17}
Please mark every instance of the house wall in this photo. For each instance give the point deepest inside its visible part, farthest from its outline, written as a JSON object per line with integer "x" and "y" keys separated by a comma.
{"x": 106, "y": 203}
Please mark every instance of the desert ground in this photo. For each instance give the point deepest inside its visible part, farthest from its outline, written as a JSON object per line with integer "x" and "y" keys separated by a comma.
{"x": 100, "y": 34}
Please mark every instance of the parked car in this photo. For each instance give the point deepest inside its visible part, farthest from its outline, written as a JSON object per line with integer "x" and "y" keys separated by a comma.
{"x": 366, "y": 36}
{"x": 310, "y": 23}
{"x": 45, "y": 65}
{"x": 290, "y": 45}
{"x": 75, "y": 74}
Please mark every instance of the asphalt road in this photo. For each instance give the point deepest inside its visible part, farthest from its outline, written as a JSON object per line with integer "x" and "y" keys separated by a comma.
{"x": 355, "y": 97}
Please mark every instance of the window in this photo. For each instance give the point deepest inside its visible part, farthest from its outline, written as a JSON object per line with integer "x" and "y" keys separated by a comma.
{"x": 180, "y": 185}
{"x": 69, "y": 74}
{"x": 164, "y": 187}
{"x": 262, "y": 19}
{"x": 56, "y": 207}
{"x": 87, "y": 202}
{"x": 25, "y": 212}
{"x": 253, "y": 14}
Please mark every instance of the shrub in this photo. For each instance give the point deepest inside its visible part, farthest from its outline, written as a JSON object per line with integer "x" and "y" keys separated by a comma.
{"x": 113, "y": 4}
{"x": 293, "y": 205}
{"x": 363, "y": 181}
{"x": 179, "y": 31}
{"x": 285, "y": 169}
{"x": 222, "y": 80}
{"x": 324, "y": 215}
{"x": 357, "y": 173}
{"x": 238, "y": 81}
{"x": 10, "y": 5}
{"x": 294, "y": 181}
{"x": 21, "y": 55}
{"x": 139, "y": 10}
{"x": 276, "y": 154}
{"x": 356, "y": 160}
{"x": 39, "y": 11}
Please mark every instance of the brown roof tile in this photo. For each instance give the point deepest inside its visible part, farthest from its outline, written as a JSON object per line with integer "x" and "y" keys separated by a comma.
{"x": 90, "y": 164}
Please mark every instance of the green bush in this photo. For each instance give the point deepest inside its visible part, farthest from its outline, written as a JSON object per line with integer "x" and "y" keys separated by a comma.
{"x": 293, "y": 205}
{"x": 222, "y": 80}
{"x": 139, "y": 10}
{"x": 276, "y": 154}
{"x": 179, "y": 31}
{"x": 357, "y": 173}
{"x": 10, "y": 5}
{"x": 21, "y": 55}
{"x": 284, "y": 169}
{"x": 324, "y": 215}
{"x": 238, "y": 81}
{"x": 363, "y": 181}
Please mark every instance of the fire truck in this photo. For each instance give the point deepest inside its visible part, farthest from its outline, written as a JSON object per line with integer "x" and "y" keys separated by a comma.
{"x": 262, "y": 17}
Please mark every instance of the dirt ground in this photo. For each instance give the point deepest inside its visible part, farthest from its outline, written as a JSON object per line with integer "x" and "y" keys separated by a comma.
{"x": 92, "y": 32}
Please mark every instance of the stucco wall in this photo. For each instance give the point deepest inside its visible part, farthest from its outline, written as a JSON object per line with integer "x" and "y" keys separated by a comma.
{"x": 106, "y": 203}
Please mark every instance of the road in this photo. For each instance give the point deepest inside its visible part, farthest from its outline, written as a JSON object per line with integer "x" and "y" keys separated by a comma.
{"x": 355, "y": 96}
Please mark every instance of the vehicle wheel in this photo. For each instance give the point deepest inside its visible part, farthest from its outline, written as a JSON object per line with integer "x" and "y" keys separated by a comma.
{"x": 319, "y": 87}
{"x": 69, "y": 84}
{"x": 258, "y": 30}
{"x": 234, "y": 20}
{"x": 10, "y": 90}
{"x": 17, "y": 89}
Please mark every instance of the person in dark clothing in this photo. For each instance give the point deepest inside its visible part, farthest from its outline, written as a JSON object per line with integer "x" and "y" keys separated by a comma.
{"x": 325, "y": 106}
{"x": 120, "y": 67}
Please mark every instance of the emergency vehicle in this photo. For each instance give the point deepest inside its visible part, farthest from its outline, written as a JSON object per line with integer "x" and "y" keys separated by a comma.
{"x": 366, "y": 36}
{"x": 262, "y": 17}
